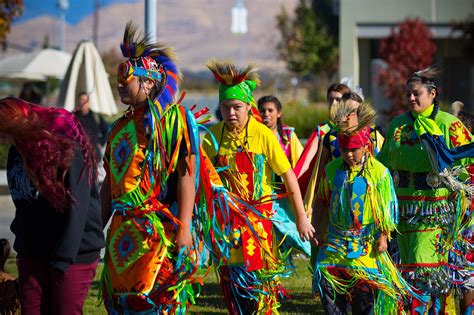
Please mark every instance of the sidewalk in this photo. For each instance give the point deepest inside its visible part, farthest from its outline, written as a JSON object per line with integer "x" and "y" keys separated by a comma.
{"x": 3, "y": 183}
{"x": 7, "y": 213}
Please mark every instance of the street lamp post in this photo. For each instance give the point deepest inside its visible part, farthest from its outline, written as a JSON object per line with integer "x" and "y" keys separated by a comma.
{"x": 150, "y": 19}
{"x": 239, "y": 26}
{"x": 95, "y": 24}
{"x": 63, "y": 5}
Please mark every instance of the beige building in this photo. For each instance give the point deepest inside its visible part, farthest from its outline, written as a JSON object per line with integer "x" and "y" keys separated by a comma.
{"x": 363, "y": 23}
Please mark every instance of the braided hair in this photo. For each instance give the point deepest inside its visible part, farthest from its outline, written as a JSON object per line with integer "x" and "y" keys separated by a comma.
{"x": 279, "y": 107}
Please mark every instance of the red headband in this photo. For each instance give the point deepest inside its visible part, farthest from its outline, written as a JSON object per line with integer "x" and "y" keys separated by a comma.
{"x": 354, "y": 141}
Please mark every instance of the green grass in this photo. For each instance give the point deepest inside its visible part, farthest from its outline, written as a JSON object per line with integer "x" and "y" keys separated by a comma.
{"x": 298, "y": 285}
{"x": 211, "y": 301}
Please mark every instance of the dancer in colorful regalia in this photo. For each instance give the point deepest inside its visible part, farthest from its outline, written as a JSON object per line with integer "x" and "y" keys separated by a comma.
{"x": 321, "y": 147}
{"x": 270, "y": 109}
{"x": 467, "y": 301}
{"x": 310, "y": 157}
{"x": 358, "y": 197}
{"x": 329, "y": 150}
{"x": 426, "y": 152}
{"x": 152, "y": 164}
{"x": 246, "y": 154}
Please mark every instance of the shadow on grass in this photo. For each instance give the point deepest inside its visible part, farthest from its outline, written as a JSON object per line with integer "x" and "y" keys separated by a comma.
{"x": 301, "y": 303}
{"x": 211, "y": 301}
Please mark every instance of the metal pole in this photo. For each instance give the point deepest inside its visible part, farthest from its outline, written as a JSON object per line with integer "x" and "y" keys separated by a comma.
{"x": 241, "y": 49}
{"x": 95, "y": 26}
{"x": 62, "y": 30}
{"x": 150, "y": 19}
{"x": 239, "y": 27}
{"x": 63, "y": 5}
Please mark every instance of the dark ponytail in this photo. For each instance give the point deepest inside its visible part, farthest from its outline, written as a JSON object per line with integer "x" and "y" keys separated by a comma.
{"x": 280, "y": 131}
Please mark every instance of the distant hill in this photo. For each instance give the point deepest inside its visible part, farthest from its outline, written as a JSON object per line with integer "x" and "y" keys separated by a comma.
{"x": 197, "y": 29}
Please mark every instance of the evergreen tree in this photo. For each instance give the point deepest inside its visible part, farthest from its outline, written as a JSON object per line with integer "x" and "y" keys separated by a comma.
{"x": 306, "y": 45}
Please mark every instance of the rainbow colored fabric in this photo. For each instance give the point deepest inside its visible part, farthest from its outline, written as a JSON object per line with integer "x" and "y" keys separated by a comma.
{"x": 246, "y": 163}
{"x": 432, "y": 218}
{"x": 292, "y": 147}
{"x": 143, "y": 270}
{"x": 284, "y": 216}
{"x": 362, "y": 204}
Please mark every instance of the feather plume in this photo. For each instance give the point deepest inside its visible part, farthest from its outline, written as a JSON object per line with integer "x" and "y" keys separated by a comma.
{"x": 227, "y": 73}
{"x": 136, "y": 45}
{"x": 430, "y": 73}
{"x": 340, "y": 111}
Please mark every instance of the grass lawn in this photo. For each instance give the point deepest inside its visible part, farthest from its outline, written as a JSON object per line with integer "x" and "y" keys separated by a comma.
{"x": 211, "y": 301}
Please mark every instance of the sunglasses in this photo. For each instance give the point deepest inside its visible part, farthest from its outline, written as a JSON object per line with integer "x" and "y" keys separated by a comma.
{"x": 126, "y": 72}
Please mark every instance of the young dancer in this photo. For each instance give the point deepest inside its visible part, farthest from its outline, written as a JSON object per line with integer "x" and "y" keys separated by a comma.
{"x": 358, "y": 197}
{"x": 246, "y": 154}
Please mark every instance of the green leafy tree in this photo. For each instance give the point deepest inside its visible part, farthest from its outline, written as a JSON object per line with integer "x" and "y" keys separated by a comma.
{"x": 9, "y": 9}
{"x": 46, "y": 42}
{"x": 306, "y": 45}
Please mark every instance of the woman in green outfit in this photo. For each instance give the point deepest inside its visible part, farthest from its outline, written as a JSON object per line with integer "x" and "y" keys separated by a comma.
{"x": 431, "y": 195}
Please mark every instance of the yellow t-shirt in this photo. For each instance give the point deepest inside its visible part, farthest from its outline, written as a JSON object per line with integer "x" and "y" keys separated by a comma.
{"x": 249, "y": 158}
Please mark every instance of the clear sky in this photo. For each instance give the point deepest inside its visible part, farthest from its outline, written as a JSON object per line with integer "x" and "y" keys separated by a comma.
{"x": 78, "y": 9}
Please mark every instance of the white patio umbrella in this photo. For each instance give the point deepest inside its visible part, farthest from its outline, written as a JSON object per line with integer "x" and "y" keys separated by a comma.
{"x": 35, "y": 66}
{"x": 43, "y": 65}
{"x": 38, "y": 65}
{"x": 86, "y": 73}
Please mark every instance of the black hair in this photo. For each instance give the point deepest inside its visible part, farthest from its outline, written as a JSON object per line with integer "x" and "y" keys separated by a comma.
{"x": 31, "y": 92}
{"x": 427, "y": 77}
{"x": 338, "y": 87}
{"x": 82, "y": 93}
{"x": 352, "y": 96}
{"x": 4, "y": 252}
{"x": 279, "y": 106}
{"x": 467, "y": 119}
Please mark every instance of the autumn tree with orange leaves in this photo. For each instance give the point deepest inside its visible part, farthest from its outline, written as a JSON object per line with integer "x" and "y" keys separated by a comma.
{"x": 409, "y": 48}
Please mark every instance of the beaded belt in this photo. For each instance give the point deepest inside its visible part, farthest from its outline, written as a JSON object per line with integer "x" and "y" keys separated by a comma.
{"x": 421, "y": 180}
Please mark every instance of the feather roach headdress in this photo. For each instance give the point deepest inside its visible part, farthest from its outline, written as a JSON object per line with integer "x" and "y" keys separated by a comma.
{"x": 236, "y": 83}
{"x": 340, "y": 112}
{"x": 149, "y": 60}
{"x": 352, "y": 122}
